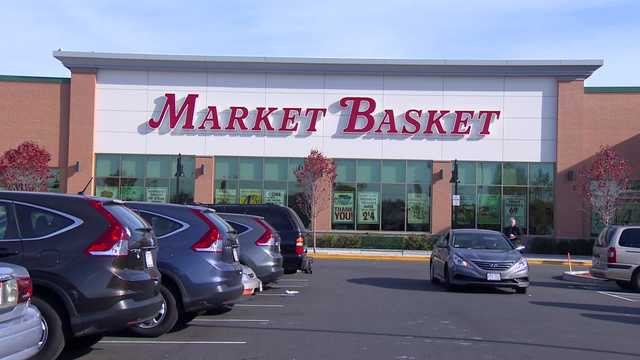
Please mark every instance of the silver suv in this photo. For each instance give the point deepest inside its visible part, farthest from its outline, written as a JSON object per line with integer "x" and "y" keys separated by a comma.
{"x": 616, "y": 255}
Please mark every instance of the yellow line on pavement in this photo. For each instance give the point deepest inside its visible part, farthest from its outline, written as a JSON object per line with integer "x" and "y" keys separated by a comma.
{"x": 419, "y": 258}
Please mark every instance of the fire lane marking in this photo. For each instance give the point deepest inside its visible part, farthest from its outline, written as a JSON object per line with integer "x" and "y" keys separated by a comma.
{"x": 615, "y": 296}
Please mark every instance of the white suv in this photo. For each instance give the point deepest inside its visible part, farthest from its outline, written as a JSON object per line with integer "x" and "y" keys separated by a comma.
{"x": 616, "y": 255}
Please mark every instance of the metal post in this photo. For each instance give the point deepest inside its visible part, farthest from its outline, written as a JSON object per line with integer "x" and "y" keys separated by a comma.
{"x": 179, "y": 174}
{"x": 455, "y": 180}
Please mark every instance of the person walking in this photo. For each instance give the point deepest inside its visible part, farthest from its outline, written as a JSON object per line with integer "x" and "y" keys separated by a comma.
{"x": 513, "y": 231}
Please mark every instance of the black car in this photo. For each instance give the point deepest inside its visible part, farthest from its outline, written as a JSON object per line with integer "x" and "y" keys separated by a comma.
{"x": 291, "y": 229}
{"x": 92, "y": 262}
{"x": 198, "y": 260}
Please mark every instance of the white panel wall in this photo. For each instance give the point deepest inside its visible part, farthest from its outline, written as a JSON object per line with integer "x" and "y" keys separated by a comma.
{"x": 525, "y": 131}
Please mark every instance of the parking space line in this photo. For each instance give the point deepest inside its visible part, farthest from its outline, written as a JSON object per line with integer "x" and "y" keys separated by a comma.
{"x": 301, "y": 280}
{"x": 230, "y": 320}
{"x": 258, "y": 305}
{"x": 287, "y": 286}
{"x": 261, "y": 294}
{"x": 139, "y": 342}
{"x": 615, "y": 296}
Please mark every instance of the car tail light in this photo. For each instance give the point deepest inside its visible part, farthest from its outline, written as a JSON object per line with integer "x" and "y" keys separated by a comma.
{"x": 8, "y": 292}
{"x": 300, "y": 245}
{"x": 211, "y": 241}
{"x": 611, "y": 255}
{"x": 112, "y": 242}
{"x": 25, "y": 289}
{"x": 267, "y": 237}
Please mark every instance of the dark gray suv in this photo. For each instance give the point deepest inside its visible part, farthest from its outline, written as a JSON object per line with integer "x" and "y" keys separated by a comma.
{"x": 259, "y": 245}
{"x": 198, "y": 260}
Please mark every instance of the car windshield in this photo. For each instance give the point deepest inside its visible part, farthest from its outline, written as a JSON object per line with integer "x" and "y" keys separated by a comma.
{"x": 481, "y": 241}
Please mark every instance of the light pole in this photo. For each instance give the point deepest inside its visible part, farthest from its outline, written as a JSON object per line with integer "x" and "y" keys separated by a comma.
{"x": 454, "y": 180}
{"x": 178, "y": 175}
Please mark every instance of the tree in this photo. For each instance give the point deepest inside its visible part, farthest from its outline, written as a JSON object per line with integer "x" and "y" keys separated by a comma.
{"x": 604, "y": 181}
{"x": 25, "y": 168}
{"x": 316, "y": 177}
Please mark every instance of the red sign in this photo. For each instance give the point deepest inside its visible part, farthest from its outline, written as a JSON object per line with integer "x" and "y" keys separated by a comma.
{"x": 361, "y": 118}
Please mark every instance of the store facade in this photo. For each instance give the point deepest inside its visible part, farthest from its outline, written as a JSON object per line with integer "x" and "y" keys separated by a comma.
{"x": 242, "y": 126}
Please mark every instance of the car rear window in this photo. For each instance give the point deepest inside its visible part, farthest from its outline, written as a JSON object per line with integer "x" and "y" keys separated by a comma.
{"x": 35, "y": 222}
{"x": 630, "y": 238}
{"x": 160, "y": 224}
{"x": 127, "y": 217}
{"x": 238, "y": 227}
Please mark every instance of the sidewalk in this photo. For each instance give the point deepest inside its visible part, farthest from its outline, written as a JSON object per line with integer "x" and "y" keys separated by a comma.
{"x": 418, "y": 255}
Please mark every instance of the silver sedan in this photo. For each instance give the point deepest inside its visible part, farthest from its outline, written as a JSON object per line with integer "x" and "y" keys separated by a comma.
{"x": 478, "y": 257}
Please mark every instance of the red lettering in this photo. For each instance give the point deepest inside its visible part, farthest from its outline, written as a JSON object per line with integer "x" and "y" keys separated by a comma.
{"x": 188, "y": 105}
{"x": 287, "y": 117}
{"x": 462, "y": 121}
{"x": 261, "y": 117}
{"x": 234, "y": 116}
{"x": 388, "y": 114}
{"x": 434, "y": 119}
{"x": 488, "y": 115}
{"x": 356, "y": 111}
{"x": 315, "y": 115}
{"x": 212, "y": 115}
{"x": 412, "y": 121}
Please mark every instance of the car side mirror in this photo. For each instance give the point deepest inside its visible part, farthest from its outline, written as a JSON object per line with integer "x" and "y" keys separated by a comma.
{"x": 520, "y": 248}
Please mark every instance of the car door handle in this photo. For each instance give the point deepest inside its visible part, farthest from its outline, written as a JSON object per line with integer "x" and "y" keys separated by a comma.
{"x": 7, "y": 253}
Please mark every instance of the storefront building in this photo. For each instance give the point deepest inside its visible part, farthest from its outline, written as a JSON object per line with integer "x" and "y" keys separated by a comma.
{"x": 519, "y": 131}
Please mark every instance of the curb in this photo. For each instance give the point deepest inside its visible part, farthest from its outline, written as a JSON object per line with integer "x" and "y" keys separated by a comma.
{"x": 417, "y": 258}
{"x": 582, "y": 277}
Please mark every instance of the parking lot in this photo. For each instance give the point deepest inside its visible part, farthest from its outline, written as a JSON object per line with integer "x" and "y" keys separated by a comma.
{"x": 389, "y": 310}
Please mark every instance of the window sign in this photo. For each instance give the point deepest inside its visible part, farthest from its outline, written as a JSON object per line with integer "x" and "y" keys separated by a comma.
{"x": 488, "y": 209}
{"x": 343, "y": 207}
{"x": 368, "y": 207}
{"x": 250, "y": 196}
{"x": 157, "y": 194}
{"x": 514, "y": 207}
{"x": 107, "y": 191}
{"x": 132, "y": 193}
{"x": 417, "y": 209}
{"x": 274, "y": 197}
{"x": 225, "y": 196}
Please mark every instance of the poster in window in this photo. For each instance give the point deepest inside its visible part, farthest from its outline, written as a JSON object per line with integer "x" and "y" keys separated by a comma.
{"x": 514, "y": 207}
{"x": 343, "y": 207}
{"x": 274, "y": 197}
{"x": 225, "y": 196}
{"x": 157, "y": 194}
{"x": 250, "y": 196}
{"x": 106, "y": 191}
{"x": 417, "y": 209}
{"x": 368, "y": 207}
{"x": 132, "y": 193}
{"x": 488, "y": 209}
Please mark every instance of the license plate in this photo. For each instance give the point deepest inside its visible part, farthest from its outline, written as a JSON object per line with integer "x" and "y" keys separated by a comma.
{"x": 235, "y": 255}
{"x": 148, "y": 258}
{"x": 493, "y": 276}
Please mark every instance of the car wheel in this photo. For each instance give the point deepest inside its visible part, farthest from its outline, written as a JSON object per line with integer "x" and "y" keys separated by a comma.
{"x": 624, "y": 284}
{"x": 434, "y": 279}
{"x": 447, "y": 279}
{"x": 83, "y": 342}
{"x": 164, "y": 321}
{"x": 521, "y": 290}
{"x": 53, "y": 338}
{"x": 290, "y": 270}
{"x": 635, "y": 280}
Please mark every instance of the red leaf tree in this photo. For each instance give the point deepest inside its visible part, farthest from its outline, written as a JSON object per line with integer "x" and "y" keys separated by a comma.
{"x": 25, "y": 168}
{"x": 604, "y": 181}
{"x": 316, "y": 178}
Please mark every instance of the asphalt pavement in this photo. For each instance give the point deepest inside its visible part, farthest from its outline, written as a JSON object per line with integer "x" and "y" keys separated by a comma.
{"x": 389, "y": 310}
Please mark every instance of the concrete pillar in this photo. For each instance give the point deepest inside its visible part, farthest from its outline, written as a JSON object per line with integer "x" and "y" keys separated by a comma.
{"x": 82, "y": 100}
{"x": 204, "y": 181}
{"x": 441, "y": 197}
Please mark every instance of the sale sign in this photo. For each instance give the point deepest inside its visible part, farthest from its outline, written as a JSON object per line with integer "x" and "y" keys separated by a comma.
{"x": 343, "y": 207}
{"x": 368, "y": 207}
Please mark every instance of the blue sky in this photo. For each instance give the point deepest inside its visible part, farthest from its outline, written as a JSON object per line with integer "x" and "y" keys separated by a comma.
{"x": 465, "y": 29}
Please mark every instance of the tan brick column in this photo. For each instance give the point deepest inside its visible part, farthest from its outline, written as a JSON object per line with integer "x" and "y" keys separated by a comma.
{"x": 569, "y": 217}
{"x": 204, "y": 181}
{"x": 81, "y": 121}
{"x": 441, "y": 197}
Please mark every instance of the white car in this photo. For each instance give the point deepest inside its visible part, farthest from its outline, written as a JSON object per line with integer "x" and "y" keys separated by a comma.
{"x": 616, "y": 255}
{"x": 250, "y": 281}
{"x": 21, "y": 327}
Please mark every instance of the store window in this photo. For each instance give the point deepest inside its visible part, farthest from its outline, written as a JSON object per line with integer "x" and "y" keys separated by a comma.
{"x": 491, "y": 193}
{"x": 382, "y": 195}
{"x": 144, "y": 178}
